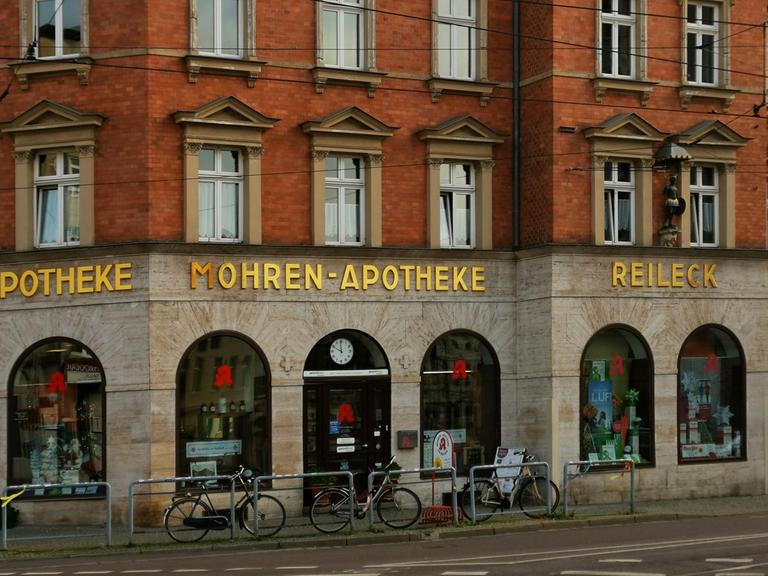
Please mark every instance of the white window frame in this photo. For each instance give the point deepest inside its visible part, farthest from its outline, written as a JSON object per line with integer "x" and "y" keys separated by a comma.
{"x": 699, "y": 30}
{"x": 614, "y": 187}
{"x": 456, "y": 23}
{"x": 342, "y": 185}
{"x": 698, "y": 192}
{"x": 616, "y": 21}
{"x": 342, "y": 7}
{"x": 217, "y": 49}
{"x": 218, "y": 178}
{"x": 451, "y": 189}
{"x": 58, "y": 23}
{"x": 58, "y": 182}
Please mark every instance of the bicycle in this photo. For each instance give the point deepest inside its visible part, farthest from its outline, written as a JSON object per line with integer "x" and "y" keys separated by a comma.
{"x": 189, "y": 518}
{"x": 529, "y": 492}
{"x": 396, "y": 506}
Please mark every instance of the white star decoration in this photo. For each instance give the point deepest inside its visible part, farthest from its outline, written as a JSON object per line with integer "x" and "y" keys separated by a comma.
{"x": 689, "y": 381}
{"x": 723, "y": 414}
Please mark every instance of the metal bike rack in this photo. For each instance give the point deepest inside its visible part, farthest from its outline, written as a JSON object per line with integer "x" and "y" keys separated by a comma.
{"x": 600, "y": 463}
{"x": 108, "y": 527}
{"x": 472, "y": 470}
{"x": 192, "y": 479}
{"x": 340, "y": 473}
{"x": 400, "y": 472}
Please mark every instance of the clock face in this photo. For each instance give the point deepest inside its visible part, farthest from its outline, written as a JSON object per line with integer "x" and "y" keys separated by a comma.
{"x": 341, "y": 351}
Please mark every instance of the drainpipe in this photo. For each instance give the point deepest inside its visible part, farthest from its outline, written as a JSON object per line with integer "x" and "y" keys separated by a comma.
{"x": 516, "y": 120}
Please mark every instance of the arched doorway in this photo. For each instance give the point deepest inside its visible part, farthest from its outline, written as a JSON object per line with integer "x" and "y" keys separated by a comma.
{"x": 223, "y": 408}
{"x": 346, "y": 404}
{"x": 56, "y": 423}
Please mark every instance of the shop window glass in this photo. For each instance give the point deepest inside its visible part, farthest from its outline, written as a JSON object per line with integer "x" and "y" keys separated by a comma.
{"x": 56, "y": 425}
{"x": 460, "y": 393}
{"x": 616, "y": 398}
{"x": 711, "y": 402}
{"x": 223, "y": 408}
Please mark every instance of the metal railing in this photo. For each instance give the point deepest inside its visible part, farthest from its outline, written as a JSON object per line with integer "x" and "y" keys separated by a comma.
{"x": 517, "y": 479}
{"x": 337, "y": 473}
{"x": 420, "y": 472}
{"x": 588, "y": 466}
{"x": 176, "y": 480}
{"x": 108, "y": 521}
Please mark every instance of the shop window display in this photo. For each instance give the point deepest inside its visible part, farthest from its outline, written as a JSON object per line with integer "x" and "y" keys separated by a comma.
{"x": 616, "y": 398}
{"x": 223, "y": 408}
{"x": 56, "y": 419}
{"x": 460, "y": 394}
{"x": 711, "y": 403}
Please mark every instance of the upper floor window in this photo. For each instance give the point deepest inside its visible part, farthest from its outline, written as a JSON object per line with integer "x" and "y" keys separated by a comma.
{"x": 457, "y": 199}
{"x": 344, "y": 194}
{"x": 57, "y": 23}
{"x": 220, "y": 27}
{"x": 704, "y": 206}
{"x": 342, "y": 33}
{"x": 456, "y": 39}
{"x": 220, "y": 185}
{"x": 702, "y": 37}
{"x": 57, "y": 199}
{"x": 619, "y": 192}
{"x": 617, "y": 38}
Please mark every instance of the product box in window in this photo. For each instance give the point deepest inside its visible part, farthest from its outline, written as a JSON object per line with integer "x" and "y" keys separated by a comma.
{"x": 705, "y": 411}
{"x": 724, "y": 434}
{"x": 693, "y": 433}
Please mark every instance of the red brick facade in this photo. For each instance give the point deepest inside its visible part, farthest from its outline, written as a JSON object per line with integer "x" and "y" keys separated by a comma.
{"x": 139, "y": 79}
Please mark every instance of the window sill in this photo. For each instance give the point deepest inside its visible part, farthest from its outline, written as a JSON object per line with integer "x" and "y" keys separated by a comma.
{"x": 342, "y": 76}
{"x": 641, "y": 87}
{"x": 689, "y": 91}
{"x": 249, "y": 69}
{"x": 24, "y": 69}
{"x": 440, "y": 86}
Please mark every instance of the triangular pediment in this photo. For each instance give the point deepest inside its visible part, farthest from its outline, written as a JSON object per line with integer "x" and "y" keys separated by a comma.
{"x": 462, "y": 128}
{"x": 227, "y": 111}
{"x": 353, "y": 121}
{"x": 626, "y": 127}
{"x": 711, "y": 132}
{"x": 48, "y": 114}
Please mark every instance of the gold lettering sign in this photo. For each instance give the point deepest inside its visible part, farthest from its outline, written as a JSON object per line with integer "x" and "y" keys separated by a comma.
{"x": 72, "y": 280}
{"x": 353, "y": 277}
{"x": 658, "y": 275}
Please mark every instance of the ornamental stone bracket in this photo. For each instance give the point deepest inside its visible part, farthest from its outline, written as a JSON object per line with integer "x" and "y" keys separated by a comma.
{"x": 643, "y": 89}
{"x": 249, "y": 69}
{"x": 26, "y": 69}
{"x": 439, "y": 86}
{"x": 365, "y": 78}
{"x": 724, "y": 95}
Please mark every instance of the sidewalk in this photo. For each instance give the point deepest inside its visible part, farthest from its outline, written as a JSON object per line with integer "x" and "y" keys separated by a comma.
{"x": 52, "y": 541}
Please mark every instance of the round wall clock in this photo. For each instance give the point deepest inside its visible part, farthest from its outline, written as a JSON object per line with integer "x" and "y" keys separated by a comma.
{"x": 341, "y": 351}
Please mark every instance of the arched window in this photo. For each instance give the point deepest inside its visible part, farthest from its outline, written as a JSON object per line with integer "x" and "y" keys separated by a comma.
{"x": 616, "y": 403}
{"x": 711, "y": 400}
{"x": 460, "y": 393}
{"x": 223, "y": 407}
{"x": 56, "y": 413}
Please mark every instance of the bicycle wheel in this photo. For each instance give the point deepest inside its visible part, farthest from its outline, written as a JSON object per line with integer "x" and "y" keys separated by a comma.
{"x": 532, "y": 497}
{"x": 271, "y": 515}
{"x": 185, "y": 519}
{"x": 398, "y": 507}
{"x": 330, "y": 510}
{"x": 487, "y": 500}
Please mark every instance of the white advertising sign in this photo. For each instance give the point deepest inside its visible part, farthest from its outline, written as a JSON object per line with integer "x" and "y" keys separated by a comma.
{"x": 508, "y": 475}
{"x": 442, "y": 450}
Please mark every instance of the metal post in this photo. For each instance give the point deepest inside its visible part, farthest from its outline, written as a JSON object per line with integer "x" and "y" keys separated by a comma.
{"x": 472, "y": 510}
{"x": 253, "y": 507}
{"x": 370, "y": 492}
{"x": 130, "y": 512}
{"x": 454, "y": 496}
{"x": 632, "y": 487}
{"x": 109, "y": 515}
{"x": 565, "y": 489}
{"x": 231, "y": 509}
{"x": 5, "y": 530}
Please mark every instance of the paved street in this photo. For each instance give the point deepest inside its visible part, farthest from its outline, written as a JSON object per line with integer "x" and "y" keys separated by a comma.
{"x": 724, "y": 546}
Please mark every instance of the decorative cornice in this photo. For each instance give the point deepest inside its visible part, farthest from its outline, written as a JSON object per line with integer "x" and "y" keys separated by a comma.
{"x": 375, "y": 159}
{"x": 254, "y": 151}
{"x": 23, "y": 156}
{"x": 86, "y": 151}
{"x": 319, "y": 154}
{"x": 192, "y": 147}
{"x": 488, "y": 164}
